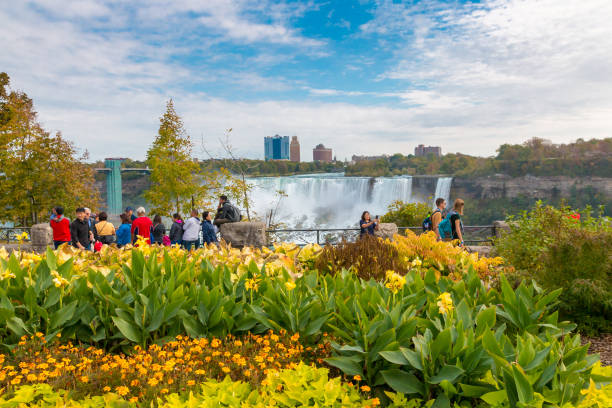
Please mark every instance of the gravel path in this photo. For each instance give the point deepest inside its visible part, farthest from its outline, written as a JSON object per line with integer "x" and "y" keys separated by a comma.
{"x": 601, "y": 345}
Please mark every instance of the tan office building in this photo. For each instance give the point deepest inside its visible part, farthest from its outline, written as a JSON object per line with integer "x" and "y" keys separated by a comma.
{"x": 294, "y": 149}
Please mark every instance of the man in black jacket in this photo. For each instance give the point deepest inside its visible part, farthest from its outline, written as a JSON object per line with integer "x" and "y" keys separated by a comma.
{"x": 226, "y": 212}
{"x": 79, "y": 231}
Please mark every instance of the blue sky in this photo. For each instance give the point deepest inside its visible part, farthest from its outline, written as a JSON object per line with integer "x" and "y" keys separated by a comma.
{"x": 362, "y": 77}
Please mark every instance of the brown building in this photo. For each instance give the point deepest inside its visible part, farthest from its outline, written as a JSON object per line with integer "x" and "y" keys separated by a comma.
{"x": 422, "y": 150}
{"x": 294, "y": 149}
{"x": 322, "y": 154}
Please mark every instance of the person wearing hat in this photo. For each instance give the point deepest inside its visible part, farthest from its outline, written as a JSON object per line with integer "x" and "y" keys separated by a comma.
{"x": 129, "y": 211}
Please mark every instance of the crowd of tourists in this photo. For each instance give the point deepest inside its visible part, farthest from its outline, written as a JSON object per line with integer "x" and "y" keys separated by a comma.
{"x": 91, "y": 231}
{"x": 447, "y": 225}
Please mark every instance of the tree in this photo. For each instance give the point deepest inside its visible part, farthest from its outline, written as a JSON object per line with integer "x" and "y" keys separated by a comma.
{"x": 37, "y": 170}
{"x": 175, "y": 181}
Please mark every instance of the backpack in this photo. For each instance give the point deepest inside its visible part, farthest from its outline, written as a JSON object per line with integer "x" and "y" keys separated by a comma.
{"x": 445, "y": 228}
{"x": 233, "y": 214}
{"x": 427, "y": 223}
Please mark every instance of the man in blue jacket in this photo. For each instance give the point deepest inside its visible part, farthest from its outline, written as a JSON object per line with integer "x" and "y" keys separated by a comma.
{"x": 208, "y": 230}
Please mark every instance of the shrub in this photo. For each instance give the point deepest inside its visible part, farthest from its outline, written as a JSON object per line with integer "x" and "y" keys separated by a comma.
{"x": 562, "y": 248}
{"x": 406, "y": 214}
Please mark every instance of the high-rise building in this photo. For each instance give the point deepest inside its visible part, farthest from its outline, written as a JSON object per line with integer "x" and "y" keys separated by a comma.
{"x": 276, "y": 147}
{"x": 294, "y": 149}
{"x": 422, "y": 150}
{"x": 322, "y": 154}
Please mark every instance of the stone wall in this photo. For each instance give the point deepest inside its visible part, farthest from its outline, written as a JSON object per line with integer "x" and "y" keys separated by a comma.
{"x": 241, "y": 234}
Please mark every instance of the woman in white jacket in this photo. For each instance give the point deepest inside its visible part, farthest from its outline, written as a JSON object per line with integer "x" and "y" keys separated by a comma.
{"x": 191, "y": 231}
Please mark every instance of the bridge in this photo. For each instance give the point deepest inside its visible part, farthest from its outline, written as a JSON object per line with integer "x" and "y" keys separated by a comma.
{"x": 114, "y": 192}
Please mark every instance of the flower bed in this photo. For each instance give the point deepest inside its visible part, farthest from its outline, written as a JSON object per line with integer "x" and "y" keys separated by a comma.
{"x": 432, "y": 329}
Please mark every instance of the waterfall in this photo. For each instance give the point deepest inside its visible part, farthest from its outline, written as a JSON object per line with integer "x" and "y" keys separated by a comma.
{"x": 443, "y": 187}
{"x": 328, "y": 200}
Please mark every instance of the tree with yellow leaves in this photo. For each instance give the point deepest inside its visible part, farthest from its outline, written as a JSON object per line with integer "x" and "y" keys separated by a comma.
{"x": 175, "y": 179}
{"x": 38, "y": 170}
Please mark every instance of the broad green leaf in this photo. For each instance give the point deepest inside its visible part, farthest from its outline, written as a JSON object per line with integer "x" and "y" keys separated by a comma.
{"x": 404, "y": 382}
{"x": 448, "y": 373}
{"x": 129, "y": 330}
{"x": 346, "y": 364}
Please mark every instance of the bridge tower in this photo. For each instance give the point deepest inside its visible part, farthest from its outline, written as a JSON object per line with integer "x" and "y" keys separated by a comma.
{"x": 114, "y": 196}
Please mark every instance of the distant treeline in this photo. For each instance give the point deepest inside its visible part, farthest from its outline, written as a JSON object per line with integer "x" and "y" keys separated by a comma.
{"x": 535, "y": 157}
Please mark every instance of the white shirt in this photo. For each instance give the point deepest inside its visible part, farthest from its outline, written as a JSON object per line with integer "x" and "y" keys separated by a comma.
{"x": 191, "y": 229}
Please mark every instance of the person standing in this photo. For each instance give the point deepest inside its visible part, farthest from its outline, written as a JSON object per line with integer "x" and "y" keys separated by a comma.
{"x": 141, "y": 226}
{"x": 124, "y": 232}
{"x": 455, "y": 220}
{"x": 208, "y": 229}
{"x": 91, "y": 224}
{"x": 61, "y": 227}
{"x": 80, "y": 232}
{"x": 105, "y": 231}
{"x": 159, "y": 230}
{"x": 436, "y": 216}
{"x": 191, "y": 231}
{"x": 176, "y": 230}
{"x": 129, "y": 211}
{"x": 367, "y": 225}
{"x": 226, "y": 212}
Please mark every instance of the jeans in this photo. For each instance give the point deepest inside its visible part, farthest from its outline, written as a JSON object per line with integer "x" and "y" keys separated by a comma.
{"x": 56, "y": 244}
{"x": 187, "y": 244}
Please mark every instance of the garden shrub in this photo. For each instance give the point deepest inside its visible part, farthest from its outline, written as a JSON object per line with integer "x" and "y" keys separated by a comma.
{"x": 563, "y": 248}
{"x": 405, "y": 214}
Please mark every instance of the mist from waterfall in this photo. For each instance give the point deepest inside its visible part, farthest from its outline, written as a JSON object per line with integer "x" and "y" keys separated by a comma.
{"x": 331, "y": 200}
{"x": 443, "y": 186}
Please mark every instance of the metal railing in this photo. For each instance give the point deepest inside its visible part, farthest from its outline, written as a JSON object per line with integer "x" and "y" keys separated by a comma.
{"x": 473, "y": 234}
{"x": 9, "y": 235}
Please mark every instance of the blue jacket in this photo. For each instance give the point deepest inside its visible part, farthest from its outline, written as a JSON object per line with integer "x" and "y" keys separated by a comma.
{"x": 124, "y": 234}
{"x": 208, "y": 232}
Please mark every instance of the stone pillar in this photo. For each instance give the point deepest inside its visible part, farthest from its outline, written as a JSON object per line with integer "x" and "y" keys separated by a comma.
{"x": 386, "y": 230}
{"x": 244, "y": 234}
{"x": 41, "y": 236}
{"x": 500, "y": 228}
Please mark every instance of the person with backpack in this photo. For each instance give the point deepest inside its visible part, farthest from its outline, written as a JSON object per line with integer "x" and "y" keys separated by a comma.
{"x": 226, "y": 212}
{"x": 432, "y": 222}
{"x": 176, "y": 230}
{"x": 159, "y": 230}
{"x": 191, "y": 231}
{"x": 451, "y": 227}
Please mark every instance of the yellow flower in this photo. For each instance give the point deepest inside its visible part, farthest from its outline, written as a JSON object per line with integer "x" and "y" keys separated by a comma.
{"x": 153, "y": 382}
{"x": 357, "y": 378}
{"x": 290, "y": 285}
{"x": 226, "y": 369}
{"x": 191, "y": 383}
{"x": 365, "y": 388}
{"x": 122, "y": 390}
{"x": 445, "y": 303}
{"x": 84, "y": 379}
{"x": 251, "y": 284}
{"x": 394, "y": 281}
{"x": 106, "y": 389}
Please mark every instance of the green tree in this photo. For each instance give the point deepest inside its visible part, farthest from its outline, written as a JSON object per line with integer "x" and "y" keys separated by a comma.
{"x": 37, "y": 170}
{"x": 175, "y": 176}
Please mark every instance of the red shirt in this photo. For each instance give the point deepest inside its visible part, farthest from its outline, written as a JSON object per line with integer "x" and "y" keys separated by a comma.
{"x": 142, "y": 226}
{"x": 61, "y": 229}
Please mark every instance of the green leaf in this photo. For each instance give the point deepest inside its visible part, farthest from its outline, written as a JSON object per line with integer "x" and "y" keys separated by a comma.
{"x": 129, "y": 330}
{"x": 523, "y": 387}
{"x": 441, "y": 401}
{"x": 495, "y": 398}
{"x": 486, "y": 317}
{"x": 413, "y": 358}
{"x": 62, "y": 315}
{"x": 394, "y": 356}
{"x": 448, "y": 372}
{"x": 346, "y": 364}
{"x": 442, "y": 344}
{"x": 404, "y": 382}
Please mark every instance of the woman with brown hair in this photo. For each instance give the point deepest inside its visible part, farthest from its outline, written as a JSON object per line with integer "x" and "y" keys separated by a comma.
{"x": 455, "y": 220}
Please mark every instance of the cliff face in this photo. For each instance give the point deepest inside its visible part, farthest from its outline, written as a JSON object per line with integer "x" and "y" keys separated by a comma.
{"x": 551, "y": 187}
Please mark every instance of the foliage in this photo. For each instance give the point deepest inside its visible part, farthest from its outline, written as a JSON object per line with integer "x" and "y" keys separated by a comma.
{"x": 175, "y": 181}
{"x": 272, "y": 167}
{"x": 38, "y": 170}
{"x": 371, "y": 258}
{"x": 405, "y": 214}
{"x": 302, "y": 386}
{"x": 161, "y": 369}
{"x": 435, "y": 330}
{"x": 563, "y": 248}
{"x": 534, "y": 157}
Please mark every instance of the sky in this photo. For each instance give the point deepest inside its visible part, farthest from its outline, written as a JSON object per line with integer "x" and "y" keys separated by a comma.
{"x": 361, "y": 77}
